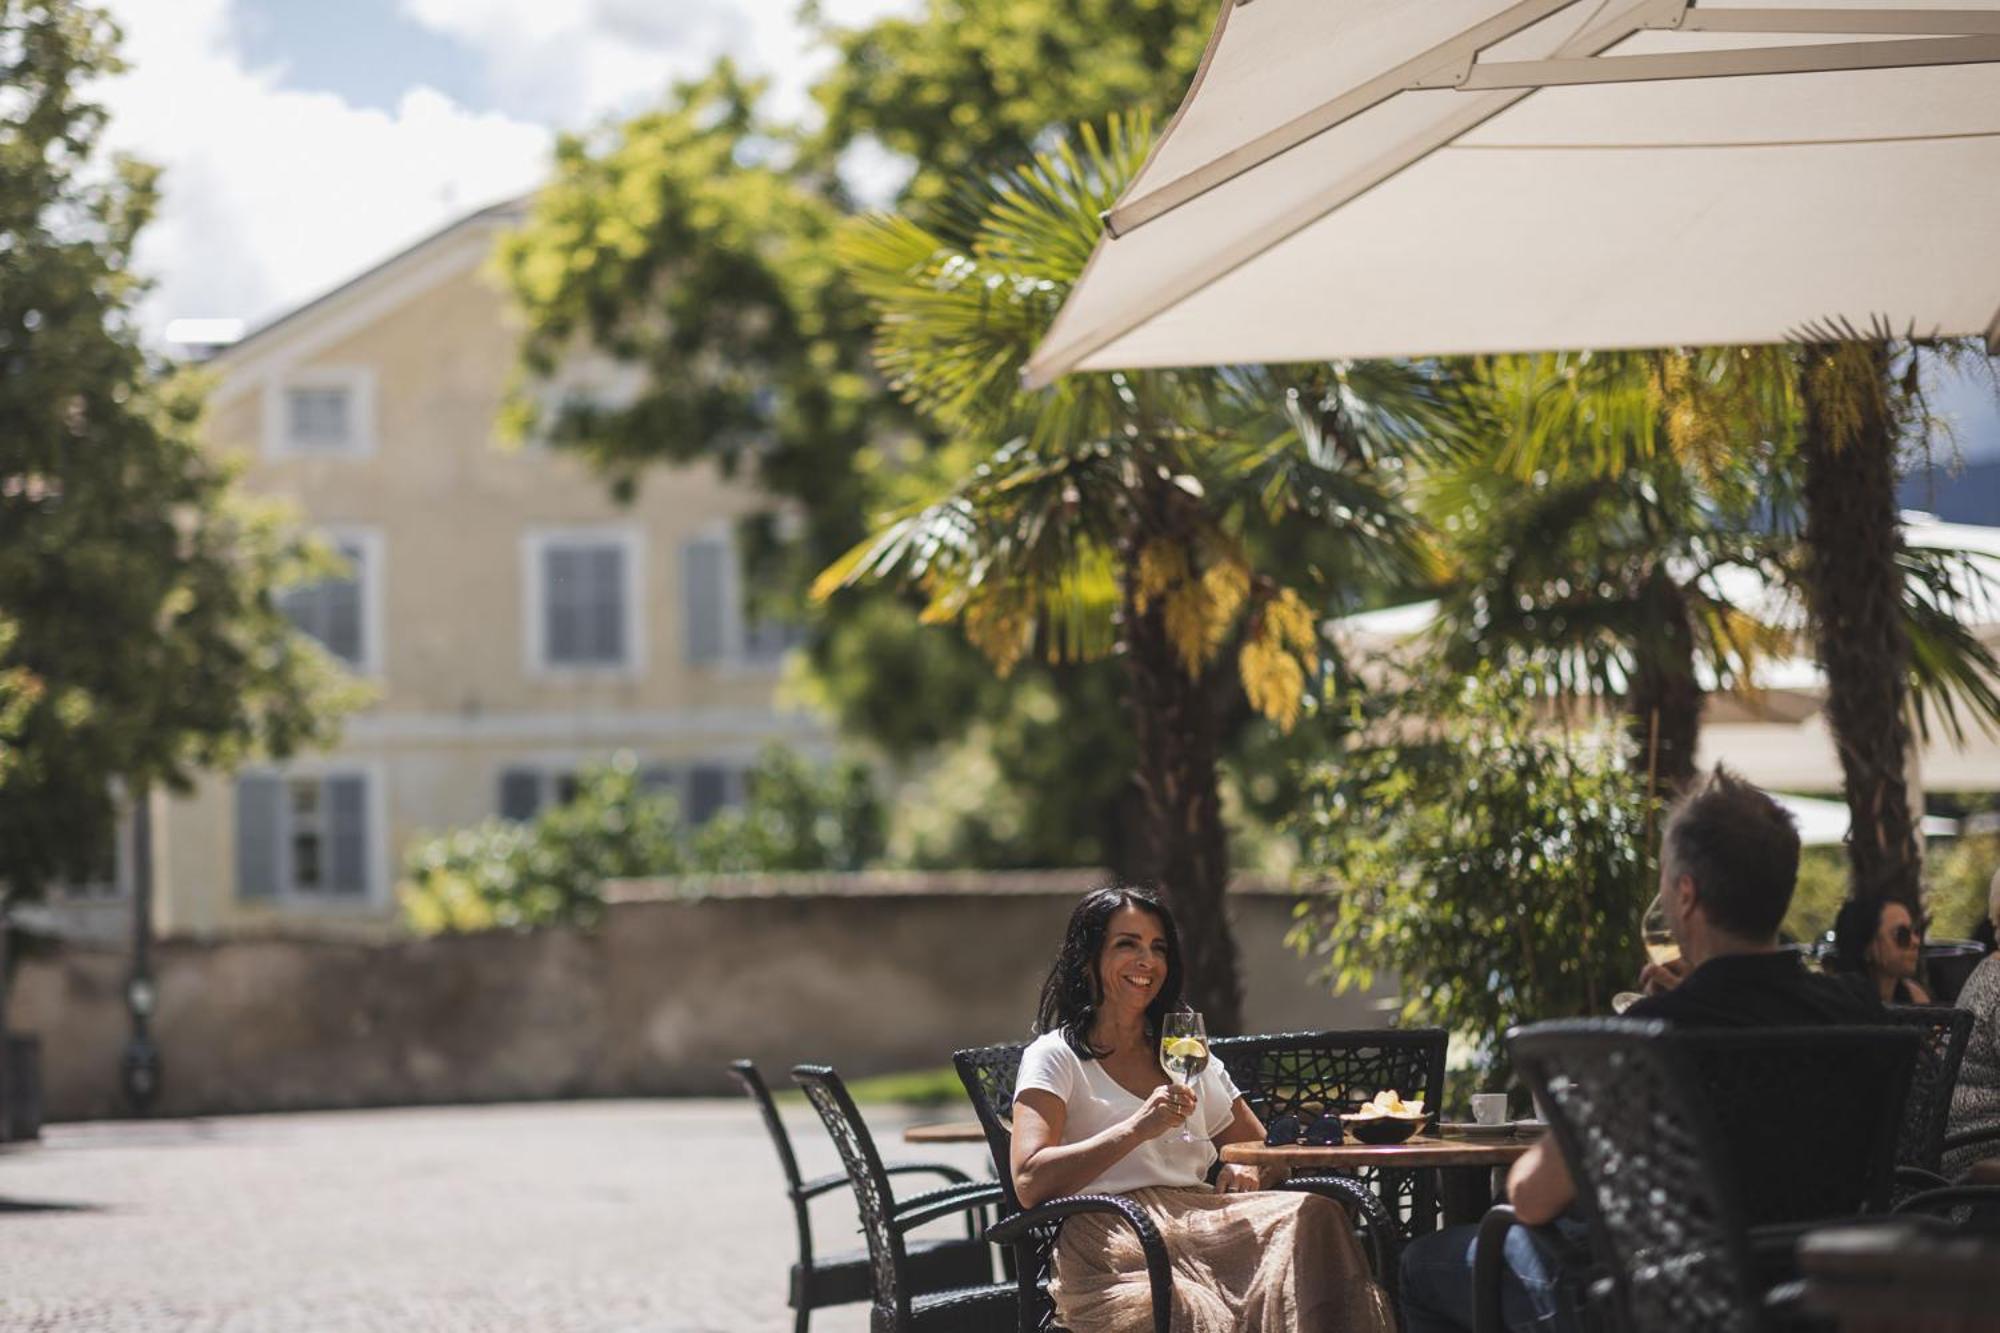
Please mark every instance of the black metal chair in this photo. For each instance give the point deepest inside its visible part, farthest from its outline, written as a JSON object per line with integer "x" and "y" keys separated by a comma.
{"x": 1921, "y": 1142}
{"x": 898, "y": 1303}
{"x": 1948, "y": 964}
{"x": 1310, "y": 1075}
{"x": 989, "y": 1074}
{"x": 842, "y": 1279}
{"x": 1700, "y": 1156}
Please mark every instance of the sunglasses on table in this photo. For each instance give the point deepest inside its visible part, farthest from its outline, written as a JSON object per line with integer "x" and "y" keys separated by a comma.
{"x": 1286, "y": 1130}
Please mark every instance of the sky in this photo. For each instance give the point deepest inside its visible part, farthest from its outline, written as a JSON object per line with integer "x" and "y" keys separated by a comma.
{"x": 304, "y": 141}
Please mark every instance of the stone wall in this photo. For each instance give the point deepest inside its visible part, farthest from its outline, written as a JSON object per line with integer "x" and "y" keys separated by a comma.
{"x": 870, "y": 975}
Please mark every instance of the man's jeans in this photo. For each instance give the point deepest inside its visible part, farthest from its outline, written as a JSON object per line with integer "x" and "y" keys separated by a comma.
{"x": 1437, "y": 1279}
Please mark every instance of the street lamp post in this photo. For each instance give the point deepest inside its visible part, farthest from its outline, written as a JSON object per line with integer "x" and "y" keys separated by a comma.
{"x": 141, "y": 1065}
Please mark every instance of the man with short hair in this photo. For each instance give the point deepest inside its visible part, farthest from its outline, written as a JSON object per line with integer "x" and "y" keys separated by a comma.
{"x": 1729, "y": 860}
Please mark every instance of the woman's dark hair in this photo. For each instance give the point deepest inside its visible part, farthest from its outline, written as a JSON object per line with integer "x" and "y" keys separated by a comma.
{"x": 1070, "y": 996}
{"x": 1854, "y": 930}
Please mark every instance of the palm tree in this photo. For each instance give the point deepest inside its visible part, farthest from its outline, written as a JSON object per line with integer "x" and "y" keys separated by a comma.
{"x": 1595, "y": 528}
{"x": 1582, "y": 536}
{"x": 1169, "y": 519}
{"x": 1884, "y": 617}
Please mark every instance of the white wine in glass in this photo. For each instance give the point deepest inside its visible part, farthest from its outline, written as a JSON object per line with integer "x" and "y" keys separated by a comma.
{"x": 1658, "y": 933}
{"x": 1184, "y": 1053}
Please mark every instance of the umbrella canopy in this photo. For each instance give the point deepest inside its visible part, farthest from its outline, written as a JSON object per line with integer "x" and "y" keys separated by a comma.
{"x": 1376, "y": 178}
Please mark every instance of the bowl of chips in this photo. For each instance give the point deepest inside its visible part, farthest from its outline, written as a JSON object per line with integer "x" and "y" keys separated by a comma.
{"x": 1387, "y": 1118}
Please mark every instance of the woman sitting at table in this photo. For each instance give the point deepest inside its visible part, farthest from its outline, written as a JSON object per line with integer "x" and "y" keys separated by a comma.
{"x": 1876, "y": 941}
{"x": 1094, "y": 1113}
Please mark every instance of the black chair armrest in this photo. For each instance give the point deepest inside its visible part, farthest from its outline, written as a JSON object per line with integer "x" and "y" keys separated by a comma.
{"x": 1937, "y": 1201}
{"x": 1020, "y": 1228}
{"x": 818, "y": 1185}
{"x": 921, "y": 1208}
{"x": 1384, "y": 1240}
{"x": 1489, "y": 1263}
{"x": 950, "y": 1173}
{"x": 1965, "y": 1138}
{"x": 1916, "y": 1178}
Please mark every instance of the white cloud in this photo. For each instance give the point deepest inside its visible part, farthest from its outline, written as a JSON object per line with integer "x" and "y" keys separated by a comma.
{"x": 272, "y": 196}
{"x": 573, "y": 62}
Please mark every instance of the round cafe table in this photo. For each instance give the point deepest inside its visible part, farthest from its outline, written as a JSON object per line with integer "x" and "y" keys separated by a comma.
{"x": 1464, "y": 1166}
{"x": 946, "y": 1131}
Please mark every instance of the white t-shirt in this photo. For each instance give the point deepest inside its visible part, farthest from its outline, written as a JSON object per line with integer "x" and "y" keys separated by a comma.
{"x": 1096, "y": 1102}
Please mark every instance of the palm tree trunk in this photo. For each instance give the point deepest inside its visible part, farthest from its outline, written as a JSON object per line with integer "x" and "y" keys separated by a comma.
{"x": 1663, "y": 702}
{"x": 1852, "y": 534}
{"x": 1180, "y": 844}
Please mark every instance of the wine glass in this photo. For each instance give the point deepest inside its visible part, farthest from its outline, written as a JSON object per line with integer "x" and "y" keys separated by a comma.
{"x": 1184, "y": 1053}
{"x": 1657, "y": 934}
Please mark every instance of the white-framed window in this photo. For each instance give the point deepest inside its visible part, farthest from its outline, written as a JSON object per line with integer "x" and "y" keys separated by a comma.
{"x": 526, "y": 790}
{"x": 309, "y": 837}
{"x": 700, "y": 789}
{"x": 583, "y": 601}
{"x": 326, "y": 412}
{"x": 111, "y": 876}
{"x": 716, "y": 632}
{"x": 345, "y": 612}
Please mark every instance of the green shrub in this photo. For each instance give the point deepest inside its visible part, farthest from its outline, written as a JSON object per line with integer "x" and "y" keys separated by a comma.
{"x": 1494, "y": 864}
{"x": 551, "y": 871}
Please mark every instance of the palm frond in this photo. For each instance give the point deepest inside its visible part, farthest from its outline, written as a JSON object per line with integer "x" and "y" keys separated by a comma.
{"x": 1954, "y": 675}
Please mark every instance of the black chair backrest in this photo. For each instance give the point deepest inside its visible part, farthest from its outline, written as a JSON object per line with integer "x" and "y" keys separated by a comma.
{"x": 1926, "y": 1111}
{"x": 1949, "y": 964}
{"x": 1681, "y": 1139}
{"x": 1313, "y": 1074}
{"x": 850, "y": 1135}
{"x": 1310, "y": 1075}
{"x": 988, "y": 1073}
{"x": 745, "y": 1073}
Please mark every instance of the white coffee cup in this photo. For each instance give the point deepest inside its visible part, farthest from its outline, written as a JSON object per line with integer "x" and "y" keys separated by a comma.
{"x": 1489, "y": 1108}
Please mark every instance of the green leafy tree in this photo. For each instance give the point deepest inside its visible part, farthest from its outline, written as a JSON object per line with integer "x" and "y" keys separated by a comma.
{"x": 1495, "y": 866}
{"x": 691, "y": 245}
{"x": 963, "y": 87}
{"x": 1164, "y": 518}
{"x": 797, "y": 817}
{"x": 137, "y": 581}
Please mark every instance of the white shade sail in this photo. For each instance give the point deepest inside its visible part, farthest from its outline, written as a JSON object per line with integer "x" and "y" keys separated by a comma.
{"x": 1381, "y": 178}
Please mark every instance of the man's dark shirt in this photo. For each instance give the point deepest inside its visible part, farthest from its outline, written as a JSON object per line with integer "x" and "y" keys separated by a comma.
{"x": 1759, "y": 990}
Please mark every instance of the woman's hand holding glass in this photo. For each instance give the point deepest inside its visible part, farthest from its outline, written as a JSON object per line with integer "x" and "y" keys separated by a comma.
{"x": 1166, "y": 1109}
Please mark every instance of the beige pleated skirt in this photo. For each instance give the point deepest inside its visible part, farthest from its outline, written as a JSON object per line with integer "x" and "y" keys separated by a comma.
{"x": 1242, "y": 1263}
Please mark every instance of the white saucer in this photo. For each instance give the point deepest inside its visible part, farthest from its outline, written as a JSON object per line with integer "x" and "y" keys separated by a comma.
{"x": 1470, "y": 1130}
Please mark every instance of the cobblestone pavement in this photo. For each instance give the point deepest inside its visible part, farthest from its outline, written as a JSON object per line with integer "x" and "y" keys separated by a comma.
{"x": 602, "y": 1216}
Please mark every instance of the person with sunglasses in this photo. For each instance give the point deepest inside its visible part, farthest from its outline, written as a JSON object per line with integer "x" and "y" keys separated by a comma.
{"x": 1877, "y": 940}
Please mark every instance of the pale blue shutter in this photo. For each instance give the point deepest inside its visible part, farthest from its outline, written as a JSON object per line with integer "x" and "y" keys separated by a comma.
{"x": 704, "y": 567}
{"x": 301, "y": 606}
{"x": 340, "y": 609}
{"x": 562, "y": 575}
{"x": 607, "y": 604}
{"x": 707, "y": 792}
{"x": 259, "y": 839}
{"x": 520, "y": 794}
{"x": 344, "y": 803}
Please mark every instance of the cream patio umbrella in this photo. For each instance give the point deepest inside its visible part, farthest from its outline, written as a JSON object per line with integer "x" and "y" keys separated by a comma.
{"x": 1382, "y": 178}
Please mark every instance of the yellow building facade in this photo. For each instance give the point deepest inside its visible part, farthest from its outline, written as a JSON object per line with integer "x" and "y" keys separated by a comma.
{"x": 514, "y": 621}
